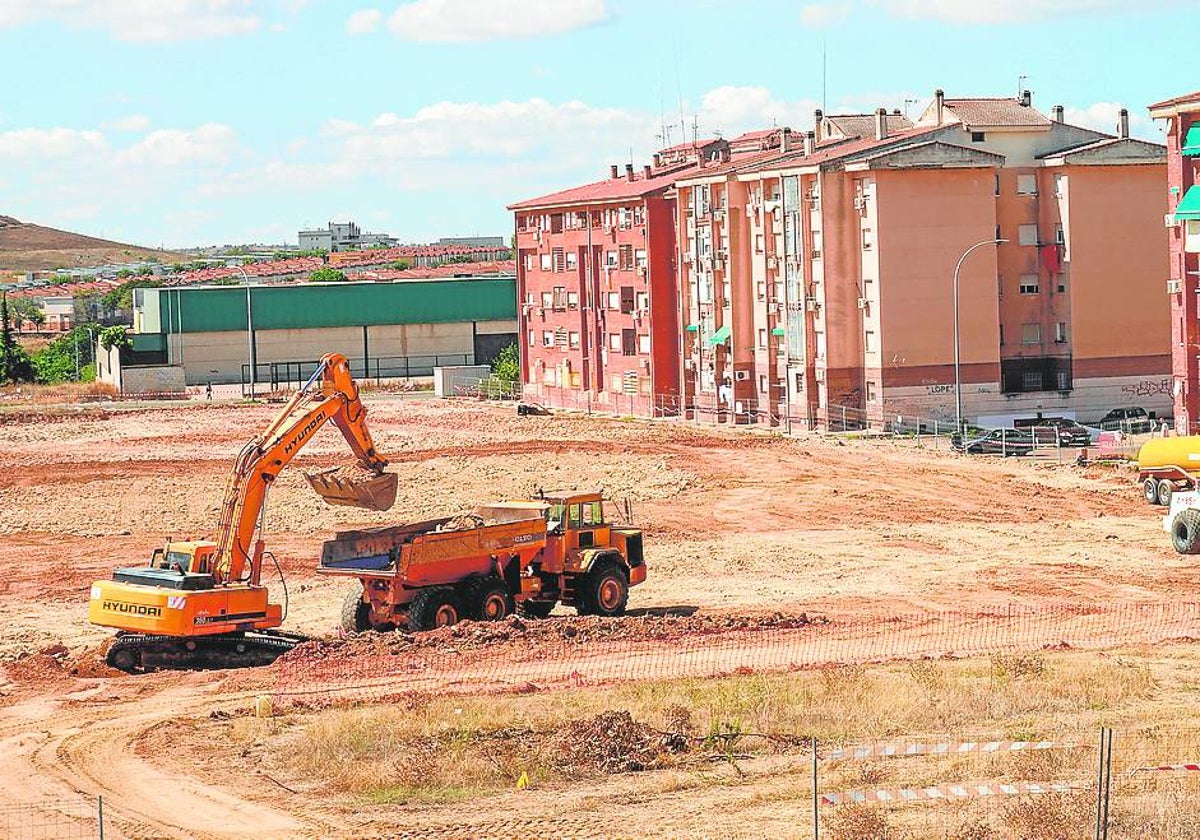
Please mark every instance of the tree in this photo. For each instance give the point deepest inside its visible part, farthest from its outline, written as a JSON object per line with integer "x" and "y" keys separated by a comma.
{"x": 400, "y": 265}
{"x": 59, "y": 360}
{"x": 327, "y": 275}
{"x": 22, "y": 310}
{"x": 507, "y": 365}
{"x": 115, "y": 336}
{"x": 122, "y": 296}
{"x": 38, "y": 317}
{"x": 14, "y": 361}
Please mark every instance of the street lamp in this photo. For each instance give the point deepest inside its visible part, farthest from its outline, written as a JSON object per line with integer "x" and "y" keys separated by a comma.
{"x": 958, "y": 412}
{"x": 249, "y": 329}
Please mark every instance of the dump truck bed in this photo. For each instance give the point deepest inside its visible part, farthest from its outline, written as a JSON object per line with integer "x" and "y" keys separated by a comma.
{"x": 436, "y": 551}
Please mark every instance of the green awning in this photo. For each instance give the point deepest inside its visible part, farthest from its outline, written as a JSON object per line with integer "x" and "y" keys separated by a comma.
{"x": 692, "y": 328}
{"x": 1191, "y": 143}
{"x": 779, "y": 331}
{"x": 1189, "y": 205}
{"x": 720, "y": 336}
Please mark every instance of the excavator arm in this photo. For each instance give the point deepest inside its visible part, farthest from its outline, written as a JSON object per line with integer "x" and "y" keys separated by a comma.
{"x": 329, "y": 395}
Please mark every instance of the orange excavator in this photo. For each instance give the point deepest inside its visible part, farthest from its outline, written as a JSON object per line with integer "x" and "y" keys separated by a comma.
{"x": 199, "y": 603}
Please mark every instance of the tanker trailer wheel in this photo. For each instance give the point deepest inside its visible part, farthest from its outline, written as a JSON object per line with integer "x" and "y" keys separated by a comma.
{"x": 1150, "y": 490}
{"x": 1165, "y": 489}
{"x": 1185, "y": 531}
{"x": 488, "y": 599}
{"x": 437, "y": 606}
{"x": 604, "y": 590}
{"x": 356, "y": 613}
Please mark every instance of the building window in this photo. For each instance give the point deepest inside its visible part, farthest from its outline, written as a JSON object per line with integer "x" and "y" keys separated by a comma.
{"x": 614, "y": 341}
{"x": 762, "y": 339}
{"x": 1027, "y": 185}
{"x": 610, "y": 259}
{"x": 547, "y": 338}
{"x": 572, "y": 260}
{"x": 574, "y": 340}
{"x": 1002, "y": 334}
{"x": 529, "y": 262}
{"x": 1060, "y": 236}
{"x": 547, "y": 262}
{"x": 868, "y": 239}
{"x": 639, "y": 257}
{"x": 869, "y": 341}
{"x": 627, "y": 300}
{"x": 1031, "y": 380}
{"x": 816, "y": 244}
{"x": 1060, "y": 332}
{"x": 761, "y": 291}
{"x": 978, "y": 137}
{"x": 628, "y": 342}
{"x": 556, "y": 223}
{"x": 560, "y": 298}
{"x": 572, "y": 300}
{"x": 1060, "y": 185}
{"x": 532, "y": 338}
{"x": 614, "y": 300}
{"x": 560, "y": 337}
{"x": 1064, "y": 380}
{"x": 1062, "y": 287}
{"x": 997, "y": 176}
{"x": 547, "y": 300}
{"x": 644, "y": 344}
{"x": 1027, "y": 235}
{"x": 758, "y": 243}
{"x": 871, "y": 392}
{"x": 626, "y": 258}
{"x": 998, "y": 236}
{"x": 1029, "y": 284}
{"x": 625, "y": 215}
{"x": 643, "y": 302}
{"x": 559, "y": 259}
{"x": 1031, "y": 333}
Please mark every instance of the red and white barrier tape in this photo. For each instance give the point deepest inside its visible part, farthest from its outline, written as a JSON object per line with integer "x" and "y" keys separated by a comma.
{"x": 1168, "y": 767}
{"x": 944, "y": 792}
{"x": 951, "y": 748}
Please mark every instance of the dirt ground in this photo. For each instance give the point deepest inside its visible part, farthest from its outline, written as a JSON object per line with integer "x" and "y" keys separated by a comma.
{"x": 750, "y": 537}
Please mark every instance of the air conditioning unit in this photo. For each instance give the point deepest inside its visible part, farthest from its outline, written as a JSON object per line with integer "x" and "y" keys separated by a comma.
{"x": 1169, "y": 220}
{"x": 541, "y": 311}
{"x": 741, "y": 375}
{"x": 641, "y": 270}
{"x": 646, "y": 364}
{"x": 863, "y": 303}
{"x": 812, "y": 304}
{"x": 686, "y": 258}
{"x": 1174, "y": 287}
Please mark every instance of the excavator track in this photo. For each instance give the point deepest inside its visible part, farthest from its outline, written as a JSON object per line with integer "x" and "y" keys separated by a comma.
{"x": 139, "y": 653}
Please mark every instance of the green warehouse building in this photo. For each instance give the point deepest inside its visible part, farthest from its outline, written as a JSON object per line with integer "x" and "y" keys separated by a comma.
{"x": 391, "y": 329}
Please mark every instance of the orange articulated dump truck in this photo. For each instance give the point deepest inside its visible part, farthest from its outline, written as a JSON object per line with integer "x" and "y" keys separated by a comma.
{"x": 200, "y": 603}
{"x": 520, "y": 555}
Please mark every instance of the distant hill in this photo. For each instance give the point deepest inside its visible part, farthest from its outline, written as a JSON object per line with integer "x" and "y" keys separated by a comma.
{"x": 26, "y": 247}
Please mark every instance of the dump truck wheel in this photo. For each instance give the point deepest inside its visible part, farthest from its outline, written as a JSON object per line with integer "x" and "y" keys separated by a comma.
{"x": 1150, "y": 490}
{"x": 1185, "y": 531}
{"x": 488, "y": 599}
{"x": 535, "y": 609}
{"x": 604, "y": 590}
{"x": 435, "y": 607}
{"x": 1165, "y": 489}
{"x": 356, "y": 613}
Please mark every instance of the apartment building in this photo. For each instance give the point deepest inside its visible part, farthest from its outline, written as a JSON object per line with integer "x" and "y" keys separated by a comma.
{"x": 819, "y": 277}
{"x": 1182, "y": 116}
{"x": 596, "y": 280}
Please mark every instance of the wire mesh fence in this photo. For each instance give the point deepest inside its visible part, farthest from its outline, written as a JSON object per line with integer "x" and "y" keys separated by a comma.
{"x": 65, "y": 818}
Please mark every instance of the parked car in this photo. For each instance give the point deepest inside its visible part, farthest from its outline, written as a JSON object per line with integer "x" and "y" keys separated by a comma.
{"x": 996, "y": 442}
{"x": 1132, "y": 420}
{"x": 1059, "y": 431}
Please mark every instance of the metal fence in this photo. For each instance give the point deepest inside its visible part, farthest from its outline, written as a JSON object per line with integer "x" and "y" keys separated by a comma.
{"x": 274, "y": 376}
{"x": 69, "y": 818}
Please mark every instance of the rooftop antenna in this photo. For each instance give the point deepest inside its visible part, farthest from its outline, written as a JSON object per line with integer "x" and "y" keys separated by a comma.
{"x": 1021, "y": 85}
{"x": 908, "y": 102}
{"x": 824, "y": 78}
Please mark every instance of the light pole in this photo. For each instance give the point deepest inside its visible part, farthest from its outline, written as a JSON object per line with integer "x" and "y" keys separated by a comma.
{"x": 958, "y": 412}
{"x": 249, "y": 329}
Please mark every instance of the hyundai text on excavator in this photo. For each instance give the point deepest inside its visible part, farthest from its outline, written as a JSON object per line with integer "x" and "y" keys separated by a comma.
{"x": 199, "y": 603}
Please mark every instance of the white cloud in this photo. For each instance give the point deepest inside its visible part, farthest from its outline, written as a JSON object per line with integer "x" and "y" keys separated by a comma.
{"x": 1011, "y": 11}
{"x": 211, "y": 143}
{"x": 139, "y": 20}
{"x": 132, "y": 123}
{"x": 824, "y": 14}
{"x": 364, "y": 21}
{"x": 733, "y": 109}
{"x": 53, "y": 143}
{"x": 483, "y": 20}
{"x": 1102, "y": 116}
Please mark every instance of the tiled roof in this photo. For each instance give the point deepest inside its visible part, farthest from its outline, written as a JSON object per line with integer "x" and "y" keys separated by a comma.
{"x": 840, "y": 149}
{"x": 610, "y": 189}
{"x": 1138, "y": 149}
{"x": 1178, "y": 100}
{"x": 994, "y": 113}
{"x": 863, "y": 125}
{"x": 691, "y": 144}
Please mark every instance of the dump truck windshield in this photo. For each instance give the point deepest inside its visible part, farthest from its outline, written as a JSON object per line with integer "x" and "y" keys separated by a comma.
{"x": 555, "y": 514}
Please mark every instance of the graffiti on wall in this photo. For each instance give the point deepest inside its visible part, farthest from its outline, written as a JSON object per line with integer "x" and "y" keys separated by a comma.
{"x": 1148, "y": 388}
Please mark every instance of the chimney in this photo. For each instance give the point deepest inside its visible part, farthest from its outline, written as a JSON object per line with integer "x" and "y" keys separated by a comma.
{"x": 818, "y": 118}
{"x": 629, "y": 172}
{"x": 1123, "y": 124}
{"x": 646, "y": 172}
{"x": 810, "y": 143}
{"x": 785, "y": 140}
{"x": 881, "y": 124}
{"x": 1057, "y": 113}
{"x": 657, "y": 160}
{"x": 612, "y": 171}
{"x": 939, "y": 105}
{"x": 1026, "y": 98}
{"x": 895, "y": 112}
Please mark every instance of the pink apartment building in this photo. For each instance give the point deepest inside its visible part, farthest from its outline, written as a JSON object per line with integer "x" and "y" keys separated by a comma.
{"x": 817, "y": 276}
{"x": 1182, "y": 116}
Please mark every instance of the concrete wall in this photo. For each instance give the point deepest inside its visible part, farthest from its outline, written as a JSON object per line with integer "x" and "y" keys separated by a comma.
{"x": 226, "y": 352}
{"x": 153, "y": 379}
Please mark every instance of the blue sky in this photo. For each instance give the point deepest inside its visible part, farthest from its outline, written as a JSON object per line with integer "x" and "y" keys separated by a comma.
{"x": 189, "y": 122}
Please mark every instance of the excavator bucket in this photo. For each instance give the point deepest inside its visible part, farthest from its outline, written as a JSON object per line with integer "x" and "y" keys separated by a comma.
{"x": 355, "y": 488}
